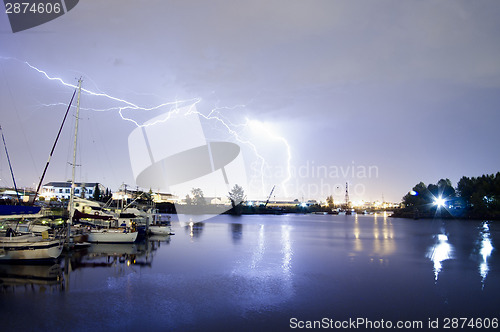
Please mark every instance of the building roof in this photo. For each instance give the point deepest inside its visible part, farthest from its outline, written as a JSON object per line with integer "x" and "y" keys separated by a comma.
{"x": 68, "y": 184}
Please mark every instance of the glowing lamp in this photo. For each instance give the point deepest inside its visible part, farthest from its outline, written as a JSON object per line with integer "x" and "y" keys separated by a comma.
{"x": 439, "y": 201}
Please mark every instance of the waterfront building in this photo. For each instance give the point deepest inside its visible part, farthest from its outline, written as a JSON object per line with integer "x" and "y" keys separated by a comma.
{"x": 164, "y": 198}
{"x": 61, "y": 190}
{"x": 126, "y": 196}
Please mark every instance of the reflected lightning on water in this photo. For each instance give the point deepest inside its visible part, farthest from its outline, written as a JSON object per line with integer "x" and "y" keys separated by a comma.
{"x": 440, "y": 252}
{"x": 259, "y": 249}
{"x": 286, "y": 249}
{"x": 271, "y": 283}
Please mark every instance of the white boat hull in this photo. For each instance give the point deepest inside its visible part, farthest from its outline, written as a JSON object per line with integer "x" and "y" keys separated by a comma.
{"x": 111, "y": 236}
{"x": 160, "y": 230}
{"x": 28, "y": 247}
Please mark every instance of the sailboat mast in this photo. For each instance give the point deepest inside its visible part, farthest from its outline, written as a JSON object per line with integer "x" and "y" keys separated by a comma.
{"x": 10, "y": 166}
{"x": 72, "y": 191}
{"x": 53, "y": 148}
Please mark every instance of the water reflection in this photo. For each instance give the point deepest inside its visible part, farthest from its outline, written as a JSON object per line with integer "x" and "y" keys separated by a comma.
{"x": 358, "y": 245}
{"x": 195, "y": 229}
{"x": 236, "y": 232}
{"x": 34, "y": 278}
{"x": 383, "y": 234}
{"x": 439, "y": 252}
{"x": 156, "y": 240}
{"x": 379, "y": 237}
{"x": 264, "y": 282}
{"x": 115, "y": 255}
{"x": 286, "y": 250}
{"x": 117, "y": 258}
{"x": 485, "y": 251}
{"x": 259, "y": 248}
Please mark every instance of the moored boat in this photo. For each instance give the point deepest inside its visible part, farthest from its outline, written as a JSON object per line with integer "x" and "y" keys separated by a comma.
{"x": 111, "y": 235}
{"x": 16, "y": 210}
{"x": 29, "y": 248}
{"x": 161, "y": 227}
{"x": 160, "y": 230}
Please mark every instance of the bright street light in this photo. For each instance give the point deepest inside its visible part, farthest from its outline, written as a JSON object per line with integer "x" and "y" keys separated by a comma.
{"x": 439, "y": 201}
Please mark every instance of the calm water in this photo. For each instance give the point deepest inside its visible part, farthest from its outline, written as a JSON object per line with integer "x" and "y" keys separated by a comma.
{"x": 258, "y": 272}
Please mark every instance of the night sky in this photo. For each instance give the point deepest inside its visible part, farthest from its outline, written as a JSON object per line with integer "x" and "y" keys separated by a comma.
{"x": 398, "y": 91}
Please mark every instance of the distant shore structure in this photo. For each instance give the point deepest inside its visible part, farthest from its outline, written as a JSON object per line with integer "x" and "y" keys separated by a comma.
{"x": 62, "y": 190}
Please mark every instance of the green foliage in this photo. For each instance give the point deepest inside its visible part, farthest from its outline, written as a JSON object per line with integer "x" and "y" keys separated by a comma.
{"x": 97, "y": 192}
{"x": 107, "y": 195}
{"x": 477, "y": 197}
{"x": 480, "y": 193}
{"x": 422, "y": 196}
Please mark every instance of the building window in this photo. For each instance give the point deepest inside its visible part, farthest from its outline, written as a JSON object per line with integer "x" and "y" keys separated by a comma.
{"x": 90, "y": 191}
{"x": 60, "y": 191}
{"x": 67, "y": 191}
{"x": 77, "y": 191}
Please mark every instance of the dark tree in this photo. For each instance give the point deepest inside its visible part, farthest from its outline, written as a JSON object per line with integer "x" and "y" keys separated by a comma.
{"x": 329, "y": 200}
{"x": 236, "y": 195}
{"x": 97, "y": 193}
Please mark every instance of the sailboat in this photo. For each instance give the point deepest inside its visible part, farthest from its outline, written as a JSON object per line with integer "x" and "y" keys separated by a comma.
{"x": 15, "y": 210}
{"x": 103, "y": 235}
{"x": 15, "y": 246}
{"x": 29, "y": 247}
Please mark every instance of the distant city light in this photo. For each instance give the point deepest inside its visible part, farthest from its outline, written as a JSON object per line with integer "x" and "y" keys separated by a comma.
{"x": 439, "y": 201}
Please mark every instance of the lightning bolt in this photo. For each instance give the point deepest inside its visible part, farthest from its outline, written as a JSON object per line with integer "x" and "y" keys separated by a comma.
{"x": 272, "y": 134}
{"x": 175, "y": 106}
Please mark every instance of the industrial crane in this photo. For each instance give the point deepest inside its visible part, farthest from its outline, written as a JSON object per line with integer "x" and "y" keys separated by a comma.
{"x": 265, "y": 205}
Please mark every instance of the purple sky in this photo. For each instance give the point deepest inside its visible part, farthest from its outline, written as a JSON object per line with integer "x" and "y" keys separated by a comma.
{"x": 403, "y": 91}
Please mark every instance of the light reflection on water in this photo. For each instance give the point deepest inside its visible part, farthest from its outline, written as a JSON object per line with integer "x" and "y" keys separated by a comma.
{"x": 286, "y": 245}
{"x": 378, "y": 241}
{"x": 443, "y": 250}
{"x": 485, "y": 251}
{"x": 271, "y": 282}
{"x": 260, "y": 269}
{"x": 259, "y": 248}
{"x": 439, "y": 252}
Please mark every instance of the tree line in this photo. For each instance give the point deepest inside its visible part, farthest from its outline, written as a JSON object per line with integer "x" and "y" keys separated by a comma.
{"x": 473, "y": 197}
